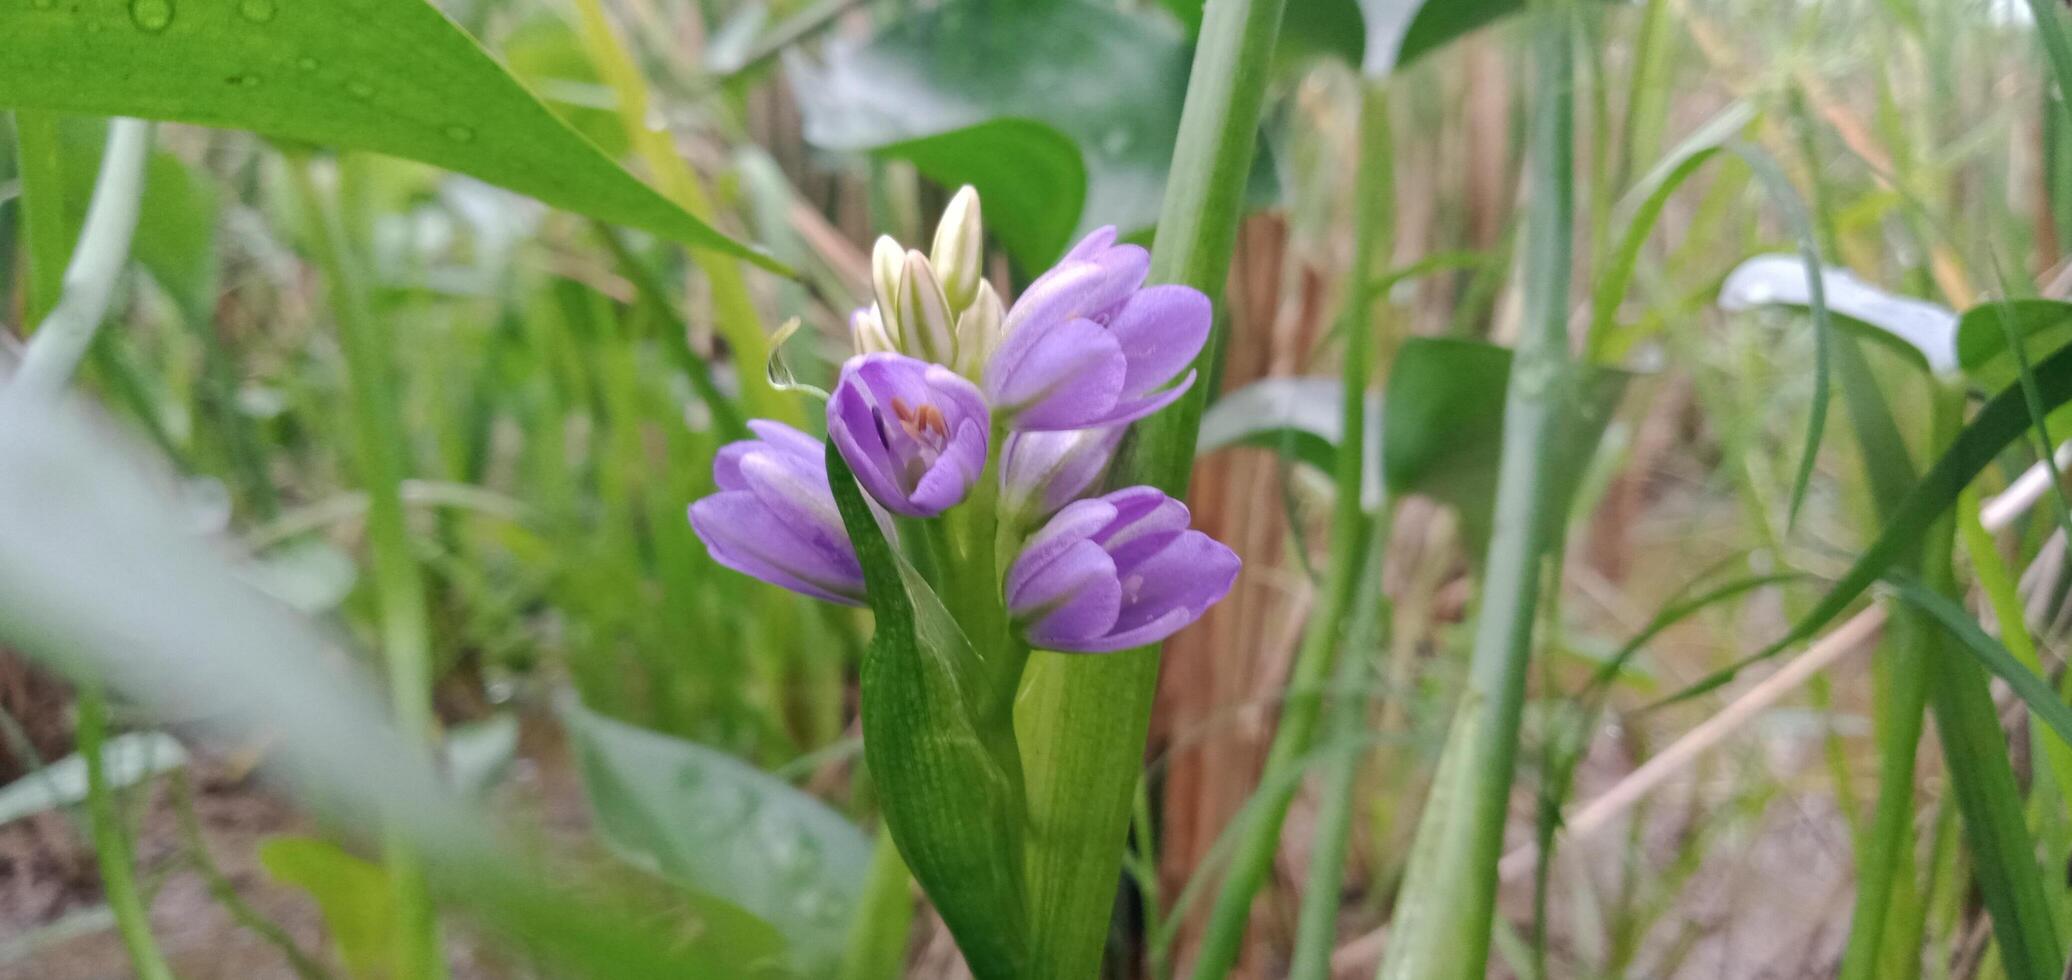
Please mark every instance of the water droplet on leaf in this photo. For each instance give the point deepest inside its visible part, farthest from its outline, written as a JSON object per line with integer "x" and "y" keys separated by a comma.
{"x": 151, "y": 15}
{"x": 257, "y": 11}
{"x": 460, "y": 134}
{"x": 306, "y": 63}
{"x": 360, "y": 89}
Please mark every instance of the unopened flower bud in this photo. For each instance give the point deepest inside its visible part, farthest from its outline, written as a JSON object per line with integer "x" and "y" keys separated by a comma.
{"x": 958, "y": 253}
{"x": 886, "y": 259}
{"x": 867, "y": 331}
{"x": 978, "y": 330}
{"x": 925, "y": 329}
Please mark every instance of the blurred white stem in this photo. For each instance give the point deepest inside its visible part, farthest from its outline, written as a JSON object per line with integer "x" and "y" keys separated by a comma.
{"x": 55, "y": 350}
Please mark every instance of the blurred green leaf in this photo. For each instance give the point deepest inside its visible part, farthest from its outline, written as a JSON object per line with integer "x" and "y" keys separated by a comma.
{"x": 951, "y": 800}
{"x": 391, "y": 76}
{"x": 477, "y": 753}
{"x": 1442, "y": 427}
{"x": 1301, "y": 417}
{"x": 1402, "y": 31}
{"x": 353, "y": 893}
{"x": 102, "y": 576}
{"x": 1032, "y": 178}
{"x": 2043, "y": 326}
{"x": 128, "y": 760}
{"x": 966, "y": 91}
{"x": 718, "y": 825}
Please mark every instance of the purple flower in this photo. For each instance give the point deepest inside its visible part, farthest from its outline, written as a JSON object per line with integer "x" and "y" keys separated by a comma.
{"x": 1115, "y": 572}
{"x": 774, "y": 517}
{"x": 913, "y": 432}
{"x": 1086, "y": 345}
{"x": 1043, "y": 471}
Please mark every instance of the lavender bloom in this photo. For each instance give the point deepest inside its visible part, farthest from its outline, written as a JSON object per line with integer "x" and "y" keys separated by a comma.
{"x": 1086, "y": 345}
{"x": 774, "y": 517}
{"x": 914, "y": 433}
{"x": 1041, "y": 472}
{"x": 1115, "y": 572}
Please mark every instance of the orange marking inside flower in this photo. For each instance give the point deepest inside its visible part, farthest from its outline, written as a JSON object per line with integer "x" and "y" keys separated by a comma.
{"x": 922, "y": 424}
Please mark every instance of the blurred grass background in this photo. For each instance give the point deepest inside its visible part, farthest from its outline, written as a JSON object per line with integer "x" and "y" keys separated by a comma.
{"x": 564, "y": 385}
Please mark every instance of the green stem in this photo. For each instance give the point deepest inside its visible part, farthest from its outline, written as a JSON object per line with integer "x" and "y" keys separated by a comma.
{"x": 1325, "y": 634}
{"x": 112, "y": 842}
{"x": 1442, "y": 928}
{"x": 1083, "y": 720}
{"x": 378, "y": 432}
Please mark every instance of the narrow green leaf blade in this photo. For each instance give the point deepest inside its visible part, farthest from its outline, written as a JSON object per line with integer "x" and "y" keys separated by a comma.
{"x": 390, "y": 76}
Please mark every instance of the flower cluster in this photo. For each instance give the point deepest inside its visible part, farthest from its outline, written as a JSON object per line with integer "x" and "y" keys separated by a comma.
{"x": 948, "y": 388}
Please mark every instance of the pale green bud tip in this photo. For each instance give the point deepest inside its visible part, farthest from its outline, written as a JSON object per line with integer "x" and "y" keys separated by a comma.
{"x": 886, "y": 259}
{"x": 867, "y": 331}
{"x": 959, "y": 248}
{"x": 979, "y": 330}
{"x": 925, "y": 328}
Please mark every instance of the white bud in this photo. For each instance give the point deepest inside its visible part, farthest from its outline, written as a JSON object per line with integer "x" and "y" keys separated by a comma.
{"x": 886, "y": 259}
{"x": 867, "y": 331}
{"x": 925, "y": 330}
{"x": 979, "y": 330}
{"x": 959, "y": 248}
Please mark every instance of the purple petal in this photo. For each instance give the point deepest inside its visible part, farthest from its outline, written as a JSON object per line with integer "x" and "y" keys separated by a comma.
{"x": 950, "y": 479}
{"x": 1096, "y": 242}
{"x": 726, "y": 464}
{"x": 1090, "y": 288}
{"x": 853, "y": 426}
{"x": 1191, "y": 573}
{"x": 746, "y": 536}
{"x": 798, "y": 497}
{"x": 1152, "y": 632}
{"x": 789, "y": 441}
{"x": 1146, "y": 522}
{"x": 957, "y": 397}
{"x": 1076, "y": 597}
{"x": 1080, "y": 520}
{"x": 1055, "y": 377}
{"x": 1043, "y": 471}
{"x": 1161, "y": 329}
{"x": 1126, "y": 412}
{"x": 1168, "y": 592}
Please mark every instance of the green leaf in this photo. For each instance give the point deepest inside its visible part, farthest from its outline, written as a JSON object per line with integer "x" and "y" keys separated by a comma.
{"x": 930, "y": 86}
{"x": 353, "y": 894}
{"x": 128, "y": 760}
{"x": 2034, "y": 691}
{"x": 951, "y": 787}
{"x": 1442, "y": 428}
{"x": 718, "y": 825}
{"x": 1402, "y": 31}
{"x": 1301, "y": 417}
{"x": 1031, "y": 176}
{"x": 390, "y": 76}
{"x": 2043, "y": 325}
